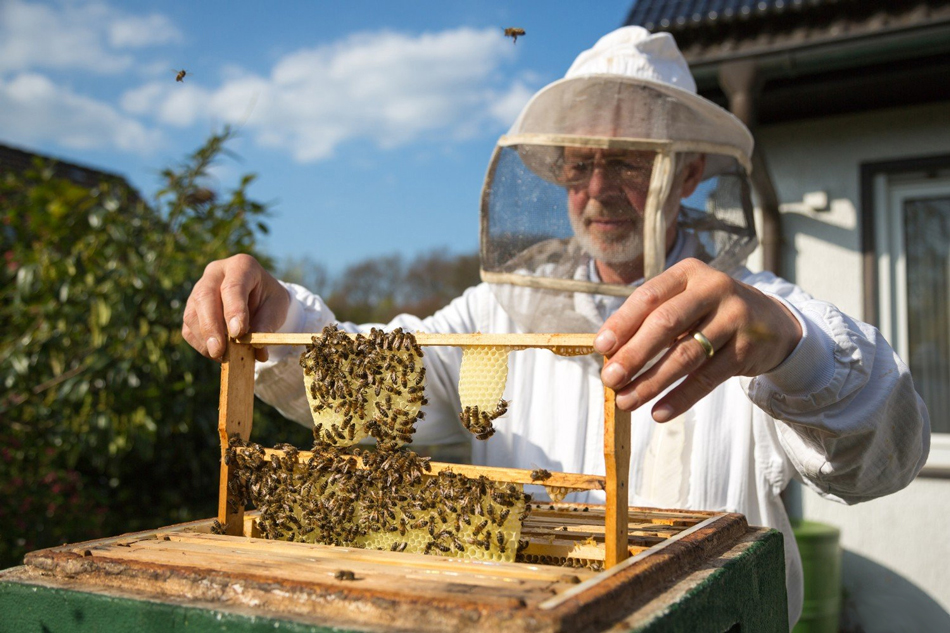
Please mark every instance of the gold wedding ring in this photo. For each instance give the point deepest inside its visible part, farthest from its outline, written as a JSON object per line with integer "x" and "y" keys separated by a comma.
{"x": 707, "y": 346}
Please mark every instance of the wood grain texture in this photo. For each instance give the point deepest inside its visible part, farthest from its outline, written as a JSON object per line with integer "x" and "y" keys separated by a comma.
{"x": 425, "y": 593}
{"x": 576, "y": 481}
{"x": 546, "y": 341}
{"x": 617, "y": 462}
{"x": 235, "y": 417}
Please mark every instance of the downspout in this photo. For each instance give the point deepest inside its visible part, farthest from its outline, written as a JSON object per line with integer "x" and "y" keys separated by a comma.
{"x": 740, "y": 81}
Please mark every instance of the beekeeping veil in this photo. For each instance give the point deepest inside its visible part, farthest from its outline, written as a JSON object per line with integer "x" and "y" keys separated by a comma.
{"x": 622, "y": 128}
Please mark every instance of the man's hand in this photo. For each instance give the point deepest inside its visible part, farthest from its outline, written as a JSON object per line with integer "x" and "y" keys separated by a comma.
{"x": 234, "y": 296}
{"x": 750, "y": 332}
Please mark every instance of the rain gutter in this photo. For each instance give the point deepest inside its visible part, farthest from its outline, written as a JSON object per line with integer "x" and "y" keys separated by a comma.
{"x": 741, "y": 74}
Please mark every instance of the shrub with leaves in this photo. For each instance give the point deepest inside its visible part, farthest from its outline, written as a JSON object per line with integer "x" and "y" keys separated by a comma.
{"x": 107, "y": 418}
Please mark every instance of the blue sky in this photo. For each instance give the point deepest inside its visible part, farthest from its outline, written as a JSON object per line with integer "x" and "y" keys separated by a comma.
{"x": 369, "y": 124}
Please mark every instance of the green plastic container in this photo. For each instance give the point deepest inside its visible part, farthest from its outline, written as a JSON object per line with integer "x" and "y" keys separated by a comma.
{"x": 821, "y": 562}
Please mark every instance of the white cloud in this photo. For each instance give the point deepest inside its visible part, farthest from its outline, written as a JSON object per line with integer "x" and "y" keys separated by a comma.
{"x": 391, "y": 88}
{"x": 141, "y": 31}
{"x": 508, "y": 106}
{"x": 91, "y": 36}
{"x": 33, "y": 109}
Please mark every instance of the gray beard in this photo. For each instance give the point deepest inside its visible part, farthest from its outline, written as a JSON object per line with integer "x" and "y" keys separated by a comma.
{"x": 619, "y": 251}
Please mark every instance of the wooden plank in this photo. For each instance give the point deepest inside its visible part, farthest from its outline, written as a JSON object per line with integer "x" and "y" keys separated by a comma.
{"x": 617, "y": 462}
{"x": 546, "y": 341}
{"x": 578, "y": 481}
{"x": 280, "y": 567}
{"x": 343, "y": 555}
{"x": 235, "y": 416}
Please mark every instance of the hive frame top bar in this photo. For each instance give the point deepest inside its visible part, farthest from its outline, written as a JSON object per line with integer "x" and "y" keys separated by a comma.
{"x": 546, "y": 341}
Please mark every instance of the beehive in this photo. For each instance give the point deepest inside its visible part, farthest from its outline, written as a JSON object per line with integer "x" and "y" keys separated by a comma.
{"x": 640, "y": 550}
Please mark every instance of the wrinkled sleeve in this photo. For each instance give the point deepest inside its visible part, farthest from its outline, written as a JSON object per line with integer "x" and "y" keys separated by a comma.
{"x": 846, "y": 411}
{"x": 279, "y": 380}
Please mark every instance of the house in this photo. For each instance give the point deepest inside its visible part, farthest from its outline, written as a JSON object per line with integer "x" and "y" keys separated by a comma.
{"x": 849, "y": 104}
{"x": 17, "y": 160}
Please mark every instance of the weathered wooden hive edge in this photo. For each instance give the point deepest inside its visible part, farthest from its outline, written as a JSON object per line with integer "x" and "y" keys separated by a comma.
{"x": 594, "y": 607}
{"x": 634, "y": 585}
{"x": 339, "y": 606}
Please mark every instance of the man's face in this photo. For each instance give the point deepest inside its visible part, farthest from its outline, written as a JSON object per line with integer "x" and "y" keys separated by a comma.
{"x": 606, "y": 197}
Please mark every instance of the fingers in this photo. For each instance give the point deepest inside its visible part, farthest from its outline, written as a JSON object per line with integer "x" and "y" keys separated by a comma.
{"x": 683, "y": 358}
{"x": 206, "y": 301}
{"x": 659, "y": 331}
{"x": 625, "y": 322}
{"x": 241, "y": 280}
{"x": 697, "y": 385}
{"x": 663, "y": 310}
{"x": 233, "y": 296}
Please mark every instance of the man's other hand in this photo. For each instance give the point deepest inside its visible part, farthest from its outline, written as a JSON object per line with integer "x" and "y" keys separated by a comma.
{"x": 750, "y": 333}
{"x": 234, "y": 296}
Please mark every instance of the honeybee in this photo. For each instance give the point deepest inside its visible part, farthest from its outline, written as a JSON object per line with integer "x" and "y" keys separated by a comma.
{"x": 540, "y": 474}
{"x": 180, "y": 75}
{"x": 514, "y": 33}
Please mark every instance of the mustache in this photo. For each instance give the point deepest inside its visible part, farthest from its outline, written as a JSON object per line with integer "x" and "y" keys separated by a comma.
{"x": 596, "y": 210}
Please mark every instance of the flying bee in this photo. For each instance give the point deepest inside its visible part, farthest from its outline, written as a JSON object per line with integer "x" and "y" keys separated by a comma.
{"x": 180, "y": 75}
{"x": 514, "y": 33}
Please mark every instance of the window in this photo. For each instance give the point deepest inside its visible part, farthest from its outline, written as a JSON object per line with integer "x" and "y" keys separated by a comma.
{"x": 912, "y": 246}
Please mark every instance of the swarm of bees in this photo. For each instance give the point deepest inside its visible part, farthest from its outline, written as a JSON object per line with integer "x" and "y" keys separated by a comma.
{"x": 514, "y": 33}
{"x": 364, "y": 386}
{"x": 478, "y": 422}
{"x": 386, "y": 499}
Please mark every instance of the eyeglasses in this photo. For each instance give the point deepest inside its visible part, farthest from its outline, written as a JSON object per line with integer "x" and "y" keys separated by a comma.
{"x": 632, "y": 171}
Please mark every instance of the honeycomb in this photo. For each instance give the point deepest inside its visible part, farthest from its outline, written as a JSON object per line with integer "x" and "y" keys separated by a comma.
{"x": 482, "y": 379}
{"x": 364, "y": 386}
{"x": 387, "y": 502}
{"x": 557, "y": 493}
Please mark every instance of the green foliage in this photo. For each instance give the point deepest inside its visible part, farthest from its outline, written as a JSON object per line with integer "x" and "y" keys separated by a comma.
{"x": 107, "y": 418}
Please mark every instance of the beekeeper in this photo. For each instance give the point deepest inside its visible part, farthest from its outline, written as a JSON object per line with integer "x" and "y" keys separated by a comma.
{"x": 619, "y": 203}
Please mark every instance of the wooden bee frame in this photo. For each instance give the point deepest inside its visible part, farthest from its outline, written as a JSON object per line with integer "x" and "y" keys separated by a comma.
{"x": 237, "y": 410}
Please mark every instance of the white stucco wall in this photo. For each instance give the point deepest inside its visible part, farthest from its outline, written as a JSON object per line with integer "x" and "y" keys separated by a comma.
{"x": 909, "y": 532}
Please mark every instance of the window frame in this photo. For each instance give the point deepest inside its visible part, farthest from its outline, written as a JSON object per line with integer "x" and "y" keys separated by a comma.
{"x": 883, "y": 183}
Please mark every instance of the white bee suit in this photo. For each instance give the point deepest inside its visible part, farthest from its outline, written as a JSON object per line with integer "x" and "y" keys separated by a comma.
{"x": 840, "y": 413}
